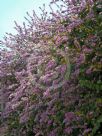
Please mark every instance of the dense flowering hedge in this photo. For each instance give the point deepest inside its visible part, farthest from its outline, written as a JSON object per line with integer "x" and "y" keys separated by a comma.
{"x": 50, "y": 72}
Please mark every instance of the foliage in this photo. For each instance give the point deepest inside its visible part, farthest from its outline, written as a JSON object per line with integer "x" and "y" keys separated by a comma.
{"x": 50, "y": 72}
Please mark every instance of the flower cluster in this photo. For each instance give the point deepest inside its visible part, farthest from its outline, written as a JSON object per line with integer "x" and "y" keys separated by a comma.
{"x": 50, "y": 72}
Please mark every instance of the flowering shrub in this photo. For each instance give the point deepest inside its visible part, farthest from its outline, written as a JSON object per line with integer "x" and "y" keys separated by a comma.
{"x": 50, "y": 72}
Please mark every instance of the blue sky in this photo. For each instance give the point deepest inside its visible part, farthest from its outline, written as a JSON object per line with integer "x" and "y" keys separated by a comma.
{"x": 11, "y": 10}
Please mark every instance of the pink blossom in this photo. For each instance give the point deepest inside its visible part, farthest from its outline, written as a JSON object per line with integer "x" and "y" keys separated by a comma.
{"x": 68, "y": 130}
{"x": 89, "y": 71}
{"x": 46, "y": 93}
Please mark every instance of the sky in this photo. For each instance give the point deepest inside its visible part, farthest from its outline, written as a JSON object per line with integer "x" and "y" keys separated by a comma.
{"x": 11, "y": 10}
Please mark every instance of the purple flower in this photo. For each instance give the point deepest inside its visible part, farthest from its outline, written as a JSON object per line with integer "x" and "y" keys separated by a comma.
{"x": 87, "y": 50}
{"x": 80, "y": 60}
{"x": 68, "y": 130}
{"x": 49, "y": 122}
{"x": 76, "y": 73}
{"x": 51, "y": 64}
{"x": 89, "y": 71}
{"x": 53, "y": 133}
{"x": 69, "y": 117}
{"x": 24, "y": 118}
{"x": 46, "y": 93}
